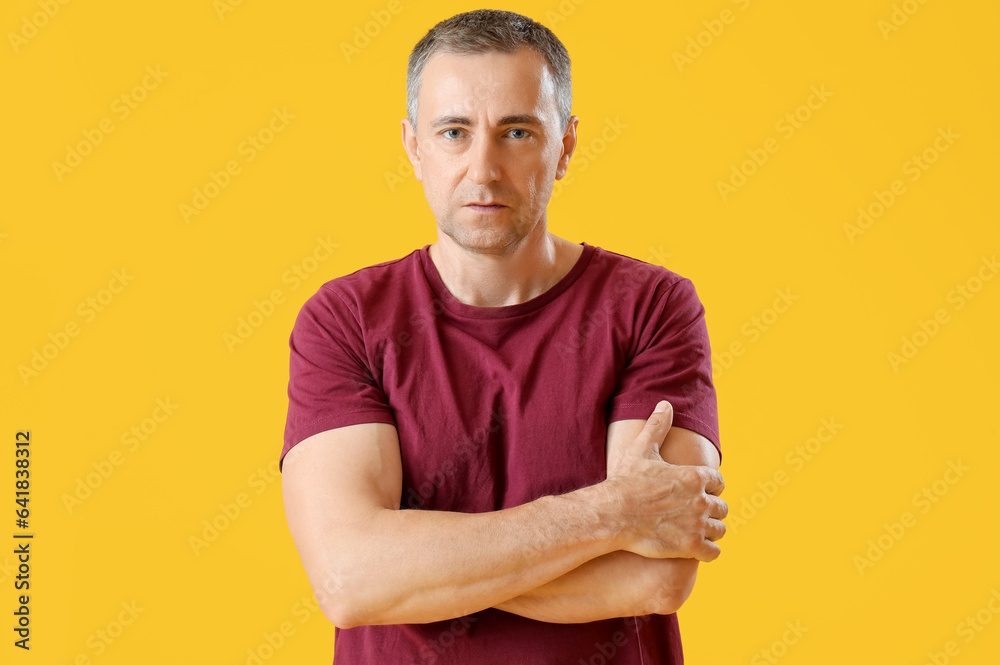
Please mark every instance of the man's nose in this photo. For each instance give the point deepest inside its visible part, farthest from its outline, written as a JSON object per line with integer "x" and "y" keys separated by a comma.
{"x": 484, "y": 158}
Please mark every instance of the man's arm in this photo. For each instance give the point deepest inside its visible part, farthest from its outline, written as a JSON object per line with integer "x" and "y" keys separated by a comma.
{"x": 371, "y": 563}
{"x": 622, "y": 583}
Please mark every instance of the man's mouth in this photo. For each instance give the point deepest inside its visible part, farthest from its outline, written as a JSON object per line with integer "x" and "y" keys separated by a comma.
{"x": 485, "y": 207}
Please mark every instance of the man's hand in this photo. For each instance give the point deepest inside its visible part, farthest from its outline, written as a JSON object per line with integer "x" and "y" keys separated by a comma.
{"x": 623, "y": 583}
{"x": 667, "y": 510}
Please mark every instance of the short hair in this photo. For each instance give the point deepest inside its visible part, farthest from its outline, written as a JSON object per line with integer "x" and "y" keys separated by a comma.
{"x": 484, "y": 31}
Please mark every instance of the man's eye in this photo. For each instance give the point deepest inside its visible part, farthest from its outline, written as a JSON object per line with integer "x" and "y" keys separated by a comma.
{"x": 524, "y": 133}
{"x": 451, "y": 130}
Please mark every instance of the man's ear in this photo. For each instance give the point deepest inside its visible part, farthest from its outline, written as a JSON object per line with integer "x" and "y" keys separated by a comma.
{"x": 409, "y": 136}
{"x": 568, "y": 146}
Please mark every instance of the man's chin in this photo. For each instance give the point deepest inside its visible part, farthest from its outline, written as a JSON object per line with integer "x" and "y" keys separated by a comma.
{"x": 485, "y": 240}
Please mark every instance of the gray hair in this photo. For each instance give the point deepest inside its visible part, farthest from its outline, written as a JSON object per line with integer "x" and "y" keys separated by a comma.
{"x": 483, "y": 31}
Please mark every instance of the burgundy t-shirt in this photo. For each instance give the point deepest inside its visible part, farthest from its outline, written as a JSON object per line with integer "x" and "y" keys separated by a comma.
{"x": 496, "y": 407}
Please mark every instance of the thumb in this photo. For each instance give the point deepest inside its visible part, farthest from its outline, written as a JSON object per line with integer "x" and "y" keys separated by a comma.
{"x": 655, "y": 430}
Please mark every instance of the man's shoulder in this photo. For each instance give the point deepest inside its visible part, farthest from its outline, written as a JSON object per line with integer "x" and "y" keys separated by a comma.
{"x": 376, "y": 280}
{"x": 618, "y": 269}
{"x": 358, "y": 299}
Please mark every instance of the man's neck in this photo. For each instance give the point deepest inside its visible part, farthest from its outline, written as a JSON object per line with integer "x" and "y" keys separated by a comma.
{"x": 492, "y": 280}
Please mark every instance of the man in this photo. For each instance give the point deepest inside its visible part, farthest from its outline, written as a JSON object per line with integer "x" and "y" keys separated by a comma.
{"x": 473, "y": 469}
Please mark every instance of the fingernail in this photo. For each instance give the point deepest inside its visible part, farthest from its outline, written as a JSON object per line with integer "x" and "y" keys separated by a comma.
{"x": 661, "y": 406}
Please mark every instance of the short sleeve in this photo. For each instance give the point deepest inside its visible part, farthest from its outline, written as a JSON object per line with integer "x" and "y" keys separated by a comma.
{"x": 330, "y": 384}
{"x": 673, "y": 361}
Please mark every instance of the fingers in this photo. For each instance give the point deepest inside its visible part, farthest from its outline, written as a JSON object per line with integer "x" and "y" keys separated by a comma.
{"x": 709, "y": 551}
{"x": 717, "y": 508}
{"x": 714, "y": 484}
{"x": 663, "y": 406}
{"x": 656, "y": 427}
{"x": 715, "y": 529}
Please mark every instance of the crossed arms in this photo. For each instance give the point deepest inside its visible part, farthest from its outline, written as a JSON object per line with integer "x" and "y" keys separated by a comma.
{"x": 629, "y": 545}
{"x": 623, "y": 583}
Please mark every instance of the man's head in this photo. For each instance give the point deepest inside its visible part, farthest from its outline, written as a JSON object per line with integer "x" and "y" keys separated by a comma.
{"x": 494, "y": 125}
{"x": 485, "y": 30}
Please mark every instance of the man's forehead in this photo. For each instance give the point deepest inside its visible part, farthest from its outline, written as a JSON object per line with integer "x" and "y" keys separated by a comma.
{"x": 455, "y": 83}
{"x": 524, "y": 53}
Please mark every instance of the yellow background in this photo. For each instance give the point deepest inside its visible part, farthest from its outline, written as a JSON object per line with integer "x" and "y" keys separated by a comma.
{"x": 333, "y": 172}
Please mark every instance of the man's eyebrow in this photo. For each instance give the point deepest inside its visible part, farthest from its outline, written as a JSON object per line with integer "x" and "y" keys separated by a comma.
{"x": 518, "y": 119}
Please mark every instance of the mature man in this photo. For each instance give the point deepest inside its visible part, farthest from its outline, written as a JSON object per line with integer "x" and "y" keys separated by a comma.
{"x": 473, "y": 468}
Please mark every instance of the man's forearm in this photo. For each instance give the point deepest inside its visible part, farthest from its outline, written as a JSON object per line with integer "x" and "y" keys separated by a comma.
{"x": 621, "y": 583}
{"x": 371, "y": 563}
{"x": 617, "y": 584}
{"x": 415, "y": 566}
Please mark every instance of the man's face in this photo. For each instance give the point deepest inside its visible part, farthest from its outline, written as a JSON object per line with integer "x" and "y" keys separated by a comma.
{"x": 488, "y": 132}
